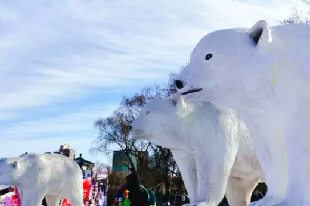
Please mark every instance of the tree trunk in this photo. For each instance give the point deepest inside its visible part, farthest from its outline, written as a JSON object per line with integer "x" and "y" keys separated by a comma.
{"x": 167, "y": 187}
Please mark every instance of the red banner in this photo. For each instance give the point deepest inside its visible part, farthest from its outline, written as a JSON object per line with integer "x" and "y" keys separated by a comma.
{"x": 17, "y": 197}
{"x": 86, "y": 188}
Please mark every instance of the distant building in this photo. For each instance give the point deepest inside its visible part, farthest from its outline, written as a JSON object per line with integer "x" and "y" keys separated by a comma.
{"x": 120, "y": 161}
{"x": 86, "y": 166}
{"x": 64, "y": 146}
{"x": 67, "y": 151}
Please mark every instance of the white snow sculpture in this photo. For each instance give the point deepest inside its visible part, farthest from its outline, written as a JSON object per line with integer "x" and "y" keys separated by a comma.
{"x": 39, "y": 175}
{"x": 211, "y": 146}
{"x": 263, "y": 73}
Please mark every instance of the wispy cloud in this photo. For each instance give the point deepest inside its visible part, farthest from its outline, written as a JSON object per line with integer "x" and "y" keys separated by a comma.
{"x": 59, "y": 124}
{"x": 46, "y": 134}
{"x": 57, "y": 52}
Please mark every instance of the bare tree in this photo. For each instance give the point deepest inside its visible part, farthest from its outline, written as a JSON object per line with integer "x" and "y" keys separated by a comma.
{"x": 154, "y": 164}
{"x": 115, "y": 130}
{"x": 101, "y": 167}
{"x": 298, "y": 16}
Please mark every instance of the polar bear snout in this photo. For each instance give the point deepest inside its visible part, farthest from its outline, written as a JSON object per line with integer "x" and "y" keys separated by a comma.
{"x": 179, "y": 84}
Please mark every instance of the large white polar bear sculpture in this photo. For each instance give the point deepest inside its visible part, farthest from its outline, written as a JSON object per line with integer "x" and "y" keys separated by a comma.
{"x": 211, "y": 146}
{"x": 263, "y": 73}
{"x": 39, "y": 175}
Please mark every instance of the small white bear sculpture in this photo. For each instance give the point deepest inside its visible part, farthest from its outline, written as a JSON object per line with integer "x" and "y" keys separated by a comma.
{"x": 38, "y": 175}
{"x": 211, "y": 146}
{"x": 264, "y": 74}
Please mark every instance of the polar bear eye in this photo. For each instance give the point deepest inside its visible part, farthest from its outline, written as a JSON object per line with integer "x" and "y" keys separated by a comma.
{"x": 208, "y": 56}
{"x": 148, "y": 112}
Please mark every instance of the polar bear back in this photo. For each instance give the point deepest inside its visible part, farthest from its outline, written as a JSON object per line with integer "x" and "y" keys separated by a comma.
{"x": 210, "y": 121}
{"x": 290, "y": 49}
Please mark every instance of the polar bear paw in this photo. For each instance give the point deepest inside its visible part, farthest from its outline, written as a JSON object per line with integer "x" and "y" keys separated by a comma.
{"x": 266, "y": 201}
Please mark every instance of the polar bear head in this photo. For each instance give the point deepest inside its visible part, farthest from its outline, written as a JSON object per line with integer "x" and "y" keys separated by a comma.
{"x": 8, "y": 170}
{"x": 158, "y": 123}
{"x": 230, "y": 68}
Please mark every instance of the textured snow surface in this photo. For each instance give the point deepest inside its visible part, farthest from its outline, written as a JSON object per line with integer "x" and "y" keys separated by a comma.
{"x": 268, "y": 84}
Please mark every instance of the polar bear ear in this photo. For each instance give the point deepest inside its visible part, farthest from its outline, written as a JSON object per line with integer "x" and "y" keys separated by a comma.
{"x": 260, "y": 33}
{"x": 14, "y": 164}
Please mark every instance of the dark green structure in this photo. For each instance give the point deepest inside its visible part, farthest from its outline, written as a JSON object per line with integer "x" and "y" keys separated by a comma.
{"x": 120, "y": 161}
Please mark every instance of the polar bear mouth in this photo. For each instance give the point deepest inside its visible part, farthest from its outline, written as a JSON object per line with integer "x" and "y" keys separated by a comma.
{"x": 191, "y": 91}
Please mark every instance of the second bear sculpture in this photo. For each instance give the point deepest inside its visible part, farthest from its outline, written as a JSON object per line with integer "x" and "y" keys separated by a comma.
{"x": 211, "y": 146}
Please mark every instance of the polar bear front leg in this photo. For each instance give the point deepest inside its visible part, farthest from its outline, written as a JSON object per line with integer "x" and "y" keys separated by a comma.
{"x": 213, "y": 169}
{"x": 52, "y": 200}
{"x": 187, "y": 167}
{"x": 298, "y": 144}
{"x": 239, "y": 191}
{"x": 74, "y": 191}
{"x": 270, "y": 146}
{"x": 32, "y": 197}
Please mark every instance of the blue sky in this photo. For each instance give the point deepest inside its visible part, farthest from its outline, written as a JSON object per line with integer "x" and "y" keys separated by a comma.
{"x": 65, "y": 63}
